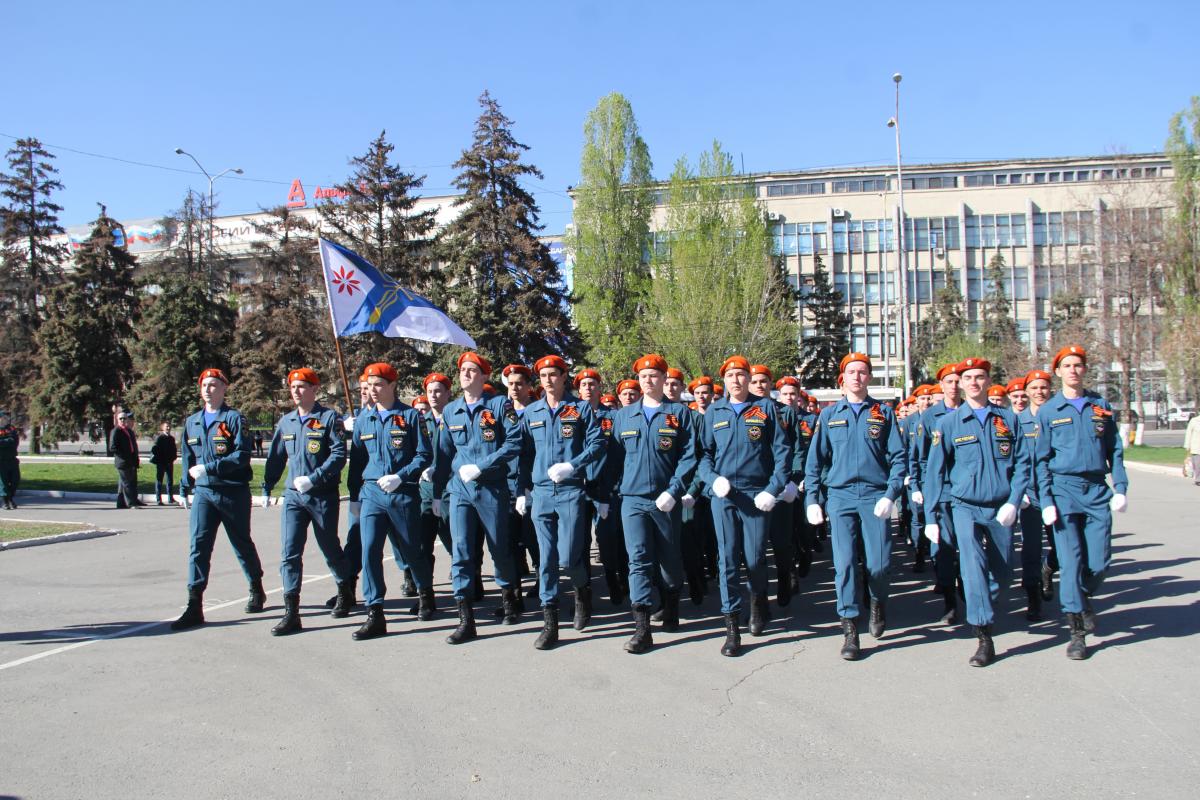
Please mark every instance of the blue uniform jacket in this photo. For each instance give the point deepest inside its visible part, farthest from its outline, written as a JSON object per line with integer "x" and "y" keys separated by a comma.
{"x": 647, "y": 457}
{"x": 223, "y": 448}
{"x": 1029, "y": 432}
{"x": 749, "y": 449}
{"x": 981, "y": 464}
{"x": 388, "y": 443}
{"x": 314, "y": 447}
{"x": 570, "y": 433}
{"x": 789, "y": 420}
{"x": 1084, "y": 444}
{"x": 855, "y": 451}
{"x": 920, "y": 441}
{"x": 488, "y": 436}
{"x": 597, "y": 475}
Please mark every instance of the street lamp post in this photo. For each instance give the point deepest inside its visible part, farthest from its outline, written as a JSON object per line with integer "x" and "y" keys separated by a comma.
{"x": 894, "y": 123}
{"x": 179, "y": 151}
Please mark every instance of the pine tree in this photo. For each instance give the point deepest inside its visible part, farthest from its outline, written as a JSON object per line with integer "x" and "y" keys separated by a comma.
{"x": 944, "y": 320}
{"x": 822, "y": 351}
{"x": 612, "y": 211}
{"x": 997, "y": 330}
{"x": 501, "y": 284}
{"x": 86, "y": 366}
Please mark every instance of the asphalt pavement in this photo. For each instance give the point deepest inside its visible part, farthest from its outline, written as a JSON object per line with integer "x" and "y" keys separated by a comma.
{"x": 100, "y": 700}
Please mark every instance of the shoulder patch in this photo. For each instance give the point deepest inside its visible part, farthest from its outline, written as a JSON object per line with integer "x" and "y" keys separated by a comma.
{"x": 936, "y": 438}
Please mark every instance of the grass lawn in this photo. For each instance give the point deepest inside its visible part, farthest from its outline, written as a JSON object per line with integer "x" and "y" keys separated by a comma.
{"x": 1170, "y": 456}
{"x": 103, "y": 478}
{"x": 12, "y": 530}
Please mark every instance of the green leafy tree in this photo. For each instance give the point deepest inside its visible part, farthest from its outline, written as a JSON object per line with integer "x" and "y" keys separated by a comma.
{"x": 945, "y": 318}
{"x": 1070, "y": 323}
{"x": 997, "y": 330}
{"x": 951, "y": 349}
{"x": 86, "y": 365}
{"x": 613, "y": 204}
{"x": 821, "y": 351}
{"x": 1181, "y": 292}
{"x": 501, "y": 284}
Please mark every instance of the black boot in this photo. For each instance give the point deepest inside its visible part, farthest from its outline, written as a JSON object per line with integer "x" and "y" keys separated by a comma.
{"x": 616, "y": 592}
{"x": 949, "y": 606}
{"x": 784, "y": 586}
{"x": 408, "y": 589}
{"x": 641, "y": 641}
{"x": 465, "y": 631}
{"x": 878, "y": 618}
{"x": 1077, "y": 649}
{"x": 426, "y": 604}
{"x": 986, "y": 652}
{"x": 549, "y": 635}
{"x": 291, "y": 616}
{"x": 733, "y": 637}
{"x": 670, "y": 620}
{"x": 374, "y": 627}
{"x": 1034, "y": 595}
{"x": 510, "y": 598}
{"x": 477, "y": 587}
{"x": 1047, "y": 582}
{"x": 922, "y": 551}
{"x": 343, "y": 601}
{"x": 850, "y": 649}
{"x": 760, "y": 615}
{"x": 804, "y": 561}
{"x": 583, "y": 607}
{"x": 1089, "y": 616}
{"x": 696, "y": 586}
{"x": 193, "y": 615}
{"x": 258, "y": 597}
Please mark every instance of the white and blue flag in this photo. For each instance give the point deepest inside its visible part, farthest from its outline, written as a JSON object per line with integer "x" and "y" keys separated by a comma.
{"x": 363, "y": 299}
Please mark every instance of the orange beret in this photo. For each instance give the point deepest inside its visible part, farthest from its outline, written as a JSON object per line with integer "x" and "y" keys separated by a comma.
{"x": 677, "y": 374}
{"x": 381, "y": 370}
{"x": 652, "y": 361}
{"x": 213, "y": 373}
{"x": 850, "y": 358}
{"x": 761, "y": 369}
{"x": 996, "y": 390}
{"x": 550, "y": 362}
{"x": 1015, "y": 385}
{"x": 475, "y": 358}
{"x": 489, "y": 389}
{"x": 735, "y": 362}
{"x": 304, "y": 374}
{"x": 923, "y": 390}
{"x": 586, "y": 373}
{"x": 1037, "y": 375}
{"x": 787, "y": 380}
{"x": 435, "y": 377}
{"x": 421, "y": 399}
{"x": 947, "y": 369}
{"x": 1069, "y": 350}
{"x": 608, "y": 398}
{"x": 628, "y": 384}
{"x": 974, "y": 363}
{"x": 703, "y": 380}
{"x": 516, "y": 369}
{"x": 910, "y": 400}
{"x": 718, "y": 390}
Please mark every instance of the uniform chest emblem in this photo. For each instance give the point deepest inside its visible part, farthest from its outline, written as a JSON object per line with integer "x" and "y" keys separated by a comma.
{"x": 314, "y": 446}
{"x": 398, "y": 435}
{"x": 606, "y": 426}
{"x": 805, "y": 429}
{"x": 1004, "y": 447}
{"x": 874, "y": 431}
{"x": 665, "y": 443}
{"x": 568, "y": 429}
{"x": 755, "y": 432}
{"x": 487, "y": 426}
{"x": 754, "y": 413}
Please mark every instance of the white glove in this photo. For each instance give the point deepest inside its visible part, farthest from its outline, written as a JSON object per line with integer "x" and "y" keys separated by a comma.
{"x": 764, "y": 501}
{"x": 918, "y": 498}
{"x": 800, "y": 488}
{"x": 1025, "y": 501}
{"x": 602, "y": 510}
{"x": 1006, "y": 515}
{"x": 355, "y": 507}
{"x": 264, "y": 501}
{"x": 790, "y": 493}
{"x": 665, "y": 502}
{"x": 931, "y": 532}
{"x": 883, "y": 509}
{"x": 1118, "y": 502}
{"x": 721, "y": 486}
{"x": 522, "y": 504}
{"x": 437, "y": 507}
{"x": 1049, "y": 515}
{"x": 184, "y": 502}
{"x": 303, "y": 484}
{"x": 688, "y": 501}
{"x": 560, "y": 472}
{"x": 469, "y": 472}
{"x": 197, "y": 472}
{"x": 814, "y": 514}
{"x": 389, "y": 483}
{"x": 907, "y": 478}
{"x": 427, "y": 475}
{"x": 348, "y": 424}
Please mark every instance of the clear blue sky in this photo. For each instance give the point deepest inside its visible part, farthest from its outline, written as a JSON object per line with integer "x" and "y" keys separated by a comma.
{"x": 287, "y": 90}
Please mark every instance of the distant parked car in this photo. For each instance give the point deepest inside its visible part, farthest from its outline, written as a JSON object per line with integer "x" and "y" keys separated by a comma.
{"x": 1181, "y": 414}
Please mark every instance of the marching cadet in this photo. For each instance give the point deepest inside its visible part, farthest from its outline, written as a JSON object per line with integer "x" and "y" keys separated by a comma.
{"x": 700, "y": 542}
{"x": 745, "y": 463}
{"x": 610, "y": 541}
{"x": 652, "y": 456}
{"x": 389, "y": 451}
{"x": 780, "y": 527}
{"x": 519, "y": 381}
{"x": 435, "y": 525}
{"x": 856, "y": 464}
{"x": 806, "y": 423}
{"x": 1078, "y": 447}
{"x": 1030, "y": 515}
{"x": 1037, "y": 387}
{"x": 979, "y": 465}
{"x": 673, "y": 385}
{"x": 216, "y": 473}
{"x": 10, "y": 465}
{"x": 1018, "y": 400}
{"x": 997, "y": 395}
{"x": 945, "y": 558}
{"x": 628, "y": 392}
{"x": 478, "y": 440}
{"x": 561, "y": 438}
{"x": 609, "y": 400}
{"x": 309, "y": 442}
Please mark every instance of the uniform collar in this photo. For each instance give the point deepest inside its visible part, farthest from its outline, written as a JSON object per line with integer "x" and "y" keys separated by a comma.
{"x": 844, "y": 404}
{"x": 965, "y": 411}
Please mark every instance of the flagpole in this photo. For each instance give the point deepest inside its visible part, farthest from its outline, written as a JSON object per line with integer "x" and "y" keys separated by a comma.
{"x": 337, "y": 342}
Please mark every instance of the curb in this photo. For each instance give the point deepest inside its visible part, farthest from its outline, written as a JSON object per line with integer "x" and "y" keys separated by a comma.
{"x": 73, "y": 536}
{"x": 61, "y": 495}
{"x": 1158, "y": 469}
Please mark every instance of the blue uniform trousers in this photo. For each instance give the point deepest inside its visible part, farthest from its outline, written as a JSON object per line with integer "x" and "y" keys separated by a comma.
{"x": 486, "y": 508}
{"x": 228, "y": 506}
{"x": 985, "y": 556}
{"x": 741, "y": 531}
{"x": 1084, "y": 544}
{"x": 917, "y": 520}
{"x": 650, "y": 538}
{"x": 561, "y": 525}
{"x": 852, "y": 520}
{"x": 321, "y": 511}
{"x": 610, "y": 541}
{"x": 353, "y": 547}
{"x": 1031, "y": 546}
{"x": 395, "y": 516}
{"x": 781, "y": 528}
{"x": 944, "y": 552}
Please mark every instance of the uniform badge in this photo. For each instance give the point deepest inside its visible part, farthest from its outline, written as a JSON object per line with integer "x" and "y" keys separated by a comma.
{"x": 874, "y": 431}
{"x": 488, "y": 434}
{"x": 487, "y": 426}
{"x": 220, "y": 446}
{"x": 1005, "y": 447}
{"x": 510, "y": 414}
{"x": 805, "y": 429}
{"x": 755, "y": 432}
{"x": 314, "y": 446}
{"x": 398, "y": 438}
{"x": 568, "y": 429}
{"x": 1100, "y": 429}
{"x": 665, "y": 442}
{"x": 606, "y": 426}
{"x": 936, "y": 438}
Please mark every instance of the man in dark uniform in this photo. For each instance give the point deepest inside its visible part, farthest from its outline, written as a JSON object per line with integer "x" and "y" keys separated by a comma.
{"x": 781, "y": 516}
{"x": 162, "y": 456}
{"x": 699, "y": 535}
{"x": 124, "y": 448}
{"x": 610, "y": 541}
{"x": 10, "y": 465}
{"x": 216, "y": 474}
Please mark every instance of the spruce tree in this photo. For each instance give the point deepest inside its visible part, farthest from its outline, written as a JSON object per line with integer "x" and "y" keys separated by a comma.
{"x": 944, "y": 319}
{"x": 86, "y": 366}
{"x": 997, "y": 330}
{"x": 821, "y": 352}
{"x": 501, "y": 284}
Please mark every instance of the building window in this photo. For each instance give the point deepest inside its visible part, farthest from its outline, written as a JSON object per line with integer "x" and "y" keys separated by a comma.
{"x": 1054, "y": 177}
{"x": 1039, "y": 177}
{"x": 788, "y": 189}
{"x": 980, "y": 179}
{"x": 1001, "y": 180}
{"x": 839, "y": 237}
{"x": 1021, "y": 283}
{"x": 1015, "y": 178}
